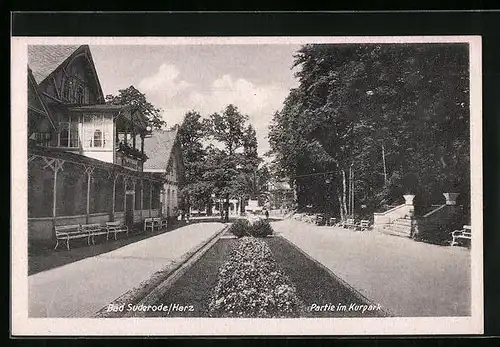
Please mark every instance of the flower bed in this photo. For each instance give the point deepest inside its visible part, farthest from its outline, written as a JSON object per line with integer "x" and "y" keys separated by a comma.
{"x": 256, "y": 228}
{"x": 250, "y": 284}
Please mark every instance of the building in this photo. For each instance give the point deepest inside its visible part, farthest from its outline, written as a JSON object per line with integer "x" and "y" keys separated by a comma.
{"x": 165, "y": 160}
{"x": 85, "y": 157}
{"x": 281, "y": 195}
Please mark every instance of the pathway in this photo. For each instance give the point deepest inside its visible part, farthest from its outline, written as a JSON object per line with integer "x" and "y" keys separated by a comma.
{"x": 406, "y": 277}
{"x": 82, "y": 288}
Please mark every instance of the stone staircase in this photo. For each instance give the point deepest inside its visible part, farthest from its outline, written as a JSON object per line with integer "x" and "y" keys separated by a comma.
{"x": 399, "y": 227}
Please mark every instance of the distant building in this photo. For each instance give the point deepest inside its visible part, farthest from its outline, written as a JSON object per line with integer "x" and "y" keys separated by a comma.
{"x": 85, "y": 158}
{"x": 165, "y": 160}
{"x": 281, "y": 194}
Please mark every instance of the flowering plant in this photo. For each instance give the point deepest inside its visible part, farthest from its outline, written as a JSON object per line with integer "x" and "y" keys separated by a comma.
{"x": 250, "y": 284}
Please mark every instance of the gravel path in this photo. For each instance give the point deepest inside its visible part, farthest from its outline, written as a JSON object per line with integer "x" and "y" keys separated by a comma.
{"x": 406, "y": 277}
{"x": 82, "y": 288}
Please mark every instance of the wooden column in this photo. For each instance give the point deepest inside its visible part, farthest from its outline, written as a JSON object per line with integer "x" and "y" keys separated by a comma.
{"x": 114, "y": 198}
{"x": 55, "y": 165}
{"x": 133, "y": 140}
{"x": 142, "y": 197}
{"x": 126, "y": 135}
{"x": 54, "y": 198}
{"x": 150, "y": 197}
{"x": 142, "y": 144}
{"x": 88, "y": 170}
{"x": 162, "y": 205}
{"x": 125, "y": 180}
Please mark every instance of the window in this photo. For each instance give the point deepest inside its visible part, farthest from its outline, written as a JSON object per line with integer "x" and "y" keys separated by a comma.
{"x": 42, "y": 139}
{"x": 96, "y": 131}
{"x": 74, "y": 91}
{"x": 68, "y": 133}
{"x": 80, "y": 95}
{"x": 64, "y": 135}
{"x": 67, "y": 89}
{"x": 97, "y": 138}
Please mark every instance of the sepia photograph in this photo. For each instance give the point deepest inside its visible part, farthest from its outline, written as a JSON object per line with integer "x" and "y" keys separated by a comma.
{"x": 259, "y": 185}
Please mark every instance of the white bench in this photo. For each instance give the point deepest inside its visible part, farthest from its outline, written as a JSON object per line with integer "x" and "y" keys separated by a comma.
{"x": 67, "y": 232}
{"x": 115, "y": 227}
{"x": 464, "y": 234}
{"x": 154, "y": 222}
{"x": 150, "y": 223}
{"x": 349, "y": 223}
{"x": 163, "y": 222}
{"x": 94, "y": 230}
{"x": 363, "y": 225}
{"x": 331, "y": 221}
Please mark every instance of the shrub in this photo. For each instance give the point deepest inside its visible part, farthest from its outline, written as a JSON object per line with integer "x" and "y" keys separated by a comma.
{"x": 250, "y": 284}
{"x": 240, "y": 228}
{"x": 261, "y": 228}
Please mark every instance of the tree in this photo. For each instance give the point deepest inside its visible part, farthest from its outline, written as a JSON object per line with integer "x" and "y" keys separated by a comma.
{"x": 133, "y": 97}
{"x": 396, "y": 115}
{"x": 227, "y": 129}
{"x": 192, "y": 133}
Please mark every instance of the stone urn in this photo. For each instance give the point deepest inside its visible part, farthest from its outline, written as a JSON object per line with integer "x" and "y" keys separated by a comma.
{"x": 451, "y": 198}
{"x": 409, "y": 199}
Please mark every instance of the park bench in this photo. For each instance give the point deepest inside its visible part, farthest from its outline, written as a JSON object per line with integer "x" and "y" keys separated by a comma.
{"x": 115, "y": 227}
{"x": 161, "y": 222}
{"x": 67, "y": 232}
{"x": 331, "y": 221}
{"x": 463, "y": 234}
{"x": 94, "y": 229}
{"x": 363, "y": 225}
{"x": 154, "y": 222}
{"x": 150, "y": 223}
{"x": 349, "y": 223}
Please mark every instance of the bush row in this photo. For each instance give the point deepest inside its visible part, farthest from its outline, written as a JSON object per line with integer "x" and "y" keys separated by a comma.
{"x": 259, "y": 228}
{"x": 250, "y": 284}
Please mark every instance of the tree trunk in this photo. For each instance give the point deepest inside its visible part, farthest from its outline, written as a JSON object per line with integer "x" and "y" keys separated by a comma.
{"x": 226, "y": 208}
{"x": 341, "y": 208}
{"x": 344, "y": 193}
{"x": 385, "y": 167}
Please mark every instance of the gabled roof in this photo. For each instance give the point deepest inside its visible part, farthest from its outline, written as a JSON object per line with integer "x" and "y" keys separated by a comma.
{"x": 45, "y": 60}
{"x": 36, "y": 103}
{"x": 158, "y": 148}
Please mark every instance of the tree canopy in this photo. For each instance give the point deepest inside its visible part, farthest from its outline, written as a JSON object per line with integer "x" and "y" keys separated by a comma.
{"x": 220, "y": 157}
{"x": 397, "y": 115}
{"x": 133, "y": 97}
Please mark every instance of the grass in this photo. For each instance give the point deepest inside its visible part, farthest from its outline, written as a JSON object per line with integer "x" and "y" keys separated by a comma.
{"x": 196, "y": 285}
{"x": 314, "y": 284}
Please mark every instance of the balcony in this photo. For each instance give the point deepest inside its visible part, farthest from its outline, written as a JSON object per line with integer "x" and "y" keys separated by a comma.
{"x": 129, "y": 157}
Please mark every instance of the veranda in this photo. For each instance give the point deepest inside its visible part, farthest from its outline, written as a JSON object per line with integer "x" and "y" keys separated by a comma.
{"x": 68, "y": 188}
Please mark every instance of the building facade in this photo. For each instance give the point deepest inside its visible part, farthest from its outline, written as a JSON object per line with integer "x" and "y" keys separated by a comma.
{"x": 165, "y": 161}
{"x": 85, "y": 157}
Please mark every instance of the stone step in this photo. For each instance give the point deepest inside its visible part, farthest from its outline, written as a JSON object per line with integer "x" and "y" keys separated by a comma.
{"x": 406, "y": 222}
{"x": 395, "y": 232}
{"x": 399, "y": 227}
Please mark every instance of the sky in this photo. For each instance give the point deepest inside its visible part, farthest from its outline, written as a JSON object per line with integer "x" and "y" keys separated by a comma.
{"x": 204, "y": 78}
